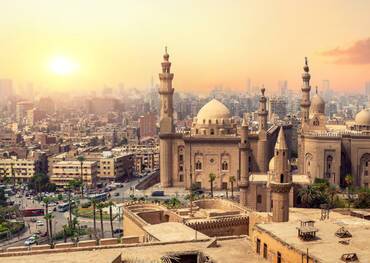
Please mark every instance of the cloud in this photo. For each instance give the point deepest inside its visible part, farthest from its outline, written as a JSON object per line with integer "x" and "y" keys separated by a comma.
{"x": 358, "y": 53}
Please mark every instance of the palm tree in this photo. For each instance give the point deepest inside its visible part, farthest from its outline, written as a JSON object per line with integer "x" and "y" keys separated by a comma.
{"x": 46, "y": 201}
{"x": 81, "y": 159}
{"x": 232, "y": 180}
{"x": 100, "y": 207}
{"x": 49, "y": 220}
{"x": 93, "y": 201}
{"x": 349, "y": 181}
{"x": 308, "y": 195}
{"x": 212, "y": 178}
{"x": 110, "y": 204}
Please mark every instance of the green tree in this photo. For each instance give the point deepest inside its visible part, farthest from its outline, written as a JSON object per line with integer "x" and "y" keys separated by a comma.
{"x": 363, "y": 198}
{"x": 81, "y": 159}
{"x": 232, "y": 181}
{"x": 100, "y": 206}
{"x": 348, "y": 179}
{"x": 47, "y": 200}
{"x": 212, "y": 178}
{"x": 40, "y": 183}
{"x": 94, "y": 202}
{"x": 49, "y": 223}
{"x": 110, "y": 204}
{"x": 3, "y": 198}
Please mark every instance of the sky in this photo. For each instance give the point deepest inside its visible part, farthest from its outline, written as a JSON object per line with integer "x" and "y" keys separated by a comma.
{"x": 210, "y": 42}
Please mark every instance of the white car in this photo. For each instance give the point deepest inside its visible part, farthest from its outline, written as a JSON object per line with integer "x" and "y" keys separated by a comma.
{"x": 30, "y": 241}
{"x": 39, "y": 223}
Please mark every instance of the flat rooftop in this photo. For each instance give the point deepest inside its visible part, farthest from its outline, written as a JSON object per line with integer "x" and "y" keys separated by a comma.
{"x": 326, "y": 247}
{"x": 173, "y": 231}
{"x": 234, "y": 250}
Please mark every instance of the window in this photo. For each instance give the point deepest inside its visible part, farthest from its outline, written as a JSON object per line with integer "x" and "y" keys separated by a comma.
{"x": 259, "y": 199}
{"x": 366, "y": 173}
{"x": 209, "y": 122}
{"x": 264, "y": 250}
{"x": 181, "y": 168}
{"x": 181, "y": 158}
{"x": 278, "y": 257}
{"x": 225, "y": 166}
{"x": 258, "y": 246}
{"x": 198, "y": 165}
{"x": 281, "y": 178}
{"x": 212, "y": 131}
{"x": 181, "y": 177}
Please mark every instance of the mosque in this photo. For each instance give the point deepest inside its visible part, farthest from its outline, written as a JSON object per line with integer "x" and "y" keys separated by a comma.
{"x": 259, "y": 161}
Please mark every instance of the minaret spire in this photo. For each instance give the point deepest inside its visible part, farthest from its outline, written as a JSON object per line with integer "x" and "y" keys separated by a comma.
{"x": 306, "y": 88}
{"x": 244, "y": 162}
{"x": 167, "y": 129}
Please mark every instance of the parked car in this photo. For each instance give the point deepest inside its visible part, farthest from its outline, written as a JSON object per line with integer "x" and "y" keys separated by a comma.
{"x": 33, "y": 220}
{"x": 30, "y": 241}
{"x": 39, "y": 223}
{"x": 158, "y": 193}
{"x": 118, "y": 231}
{"x": 116, "y": 194}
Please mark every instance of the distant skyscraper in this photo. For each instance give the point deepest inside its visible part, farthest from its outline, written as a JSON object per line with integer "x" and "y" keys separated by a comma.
{"x": 249, "y": 86}
{"x": 21, "y": 110}
{"x": 283, "y": 88}
{"x": 277, "y": 106}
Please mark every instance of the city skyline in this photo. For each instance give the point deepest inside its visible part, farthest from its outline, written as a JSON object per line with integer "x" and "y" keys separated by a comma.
{"x": 233, "y": 42}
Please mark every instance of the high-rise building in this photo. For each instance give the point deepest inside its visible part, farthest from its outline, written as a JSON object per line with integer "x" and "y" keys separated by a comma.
{"x": 283, "y": 88}
{"x": 21, "y": 111}
{"x": 277, "y": 107}
{"x": 148, "y": 125}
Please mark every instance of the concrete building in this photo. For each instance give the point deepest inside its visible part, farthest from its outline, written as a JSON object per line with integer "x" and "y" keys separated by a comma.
{"x": 148, "y": 125}
{"x": 21, "y": 170}
{"x": 21, "y": 111}
{"x": 277, "y": 107}
{"x": 66, "y": 171}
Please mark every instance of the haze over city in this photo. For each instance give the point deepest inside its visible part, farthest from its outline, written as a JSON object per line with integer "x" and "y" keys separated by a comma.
{"x": 213, "y": 42}
{"x": 184, "y": 131}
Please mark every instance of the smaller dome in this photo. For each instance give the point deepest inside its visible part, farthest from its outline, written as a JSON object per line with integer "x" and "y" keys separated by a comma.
{"x": 272, "y": 164}
{"x": 363, "y": 118}
{"x": 317, "y": 104}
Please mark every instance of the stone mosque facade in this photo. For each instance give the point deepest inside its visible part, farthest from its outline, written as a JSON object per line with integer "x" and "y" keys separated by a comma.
{"x": 332, "y": 151}
{"x": 212, "y": 145}
{"x": 259, "y": 160}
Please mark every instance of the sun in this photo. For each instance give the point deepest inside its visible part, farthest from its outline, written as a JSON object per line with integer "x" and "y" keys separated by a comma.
{"x": 61, "y": 65}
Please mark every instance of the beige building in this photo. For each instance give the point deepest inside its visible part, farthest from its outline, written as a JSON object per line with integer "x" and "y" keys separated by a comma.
{"x": 19, "y": 169}
{"x": 212, "y": 145}
{"x": 65, "y": 171}
{"x": 111, "y": 167}
{"x": 332, "y": 151}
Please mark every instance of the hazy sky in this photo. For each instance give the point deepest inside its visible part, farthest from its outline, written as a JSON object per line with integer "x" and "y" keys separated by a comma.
{"x": 210, "y": 42}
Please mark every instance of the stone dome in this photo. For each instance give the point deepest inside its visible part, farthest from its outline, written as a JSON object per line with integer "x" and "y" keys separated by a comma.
{"x": 213, "y": 111}
{"x": 363, "y": 118}
{"x": 317, "y": 104}
{"x": 272, "y": 164}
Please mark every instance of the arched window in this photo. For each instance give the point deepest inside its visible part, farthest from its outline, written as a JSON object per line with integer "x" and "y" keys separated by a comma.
{"x": 216, "y": 121}
{"x": 329, "y": 166}
{"x": 204, "y": 121}
{"x": 316, "y": 122}
{"x": 225, "y": 166}
{"x": 198, "y": 165}
{"x": 281, "y": 178}
{"x": 212, "y": 132}
{"x": 209, "y": 121}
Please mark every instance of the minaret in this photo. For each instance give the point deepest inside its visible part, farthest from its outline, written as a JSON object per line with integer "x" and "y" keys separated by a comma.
{"x": 244, "y": 163}
{"x": 262, "y": 134}
{"x": 262, "y": 112}
{"x": 166, "y": 130}
{"x": 281, "y": 180}
{"x": 305, "y": 99}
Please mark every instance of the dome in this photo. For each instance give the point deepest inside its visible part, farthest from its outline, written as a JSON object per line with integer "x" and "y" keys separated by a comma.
{"x": 272, "y": 164}
{"x": 363, "y": 118}
{"x": 213, "y": 110}
{"x": 317, "y": 104}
